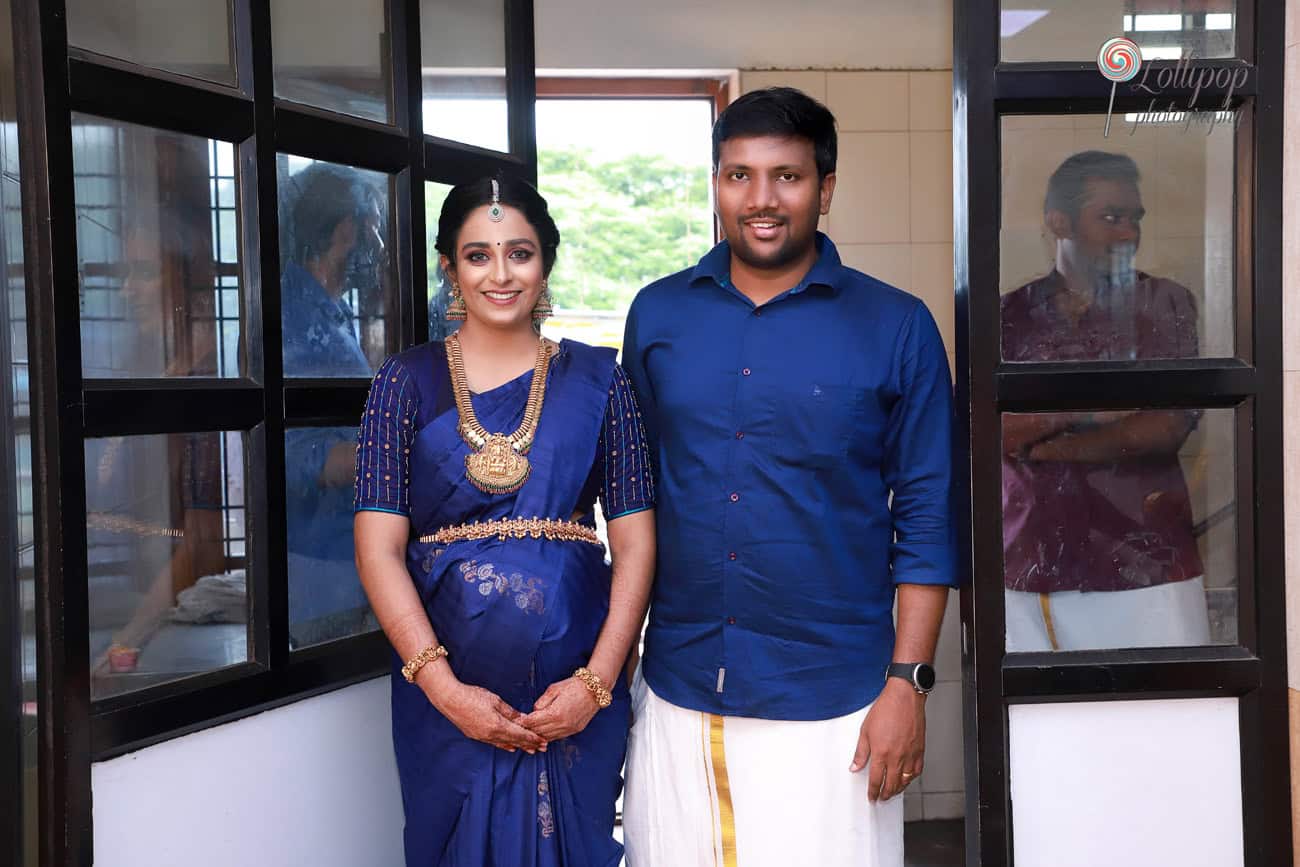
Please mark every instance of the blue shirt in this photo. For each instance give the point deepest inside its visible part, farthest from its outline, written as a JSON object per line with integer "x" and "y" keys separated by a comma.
{"x": 779, "y": 434}
{"x": 319, "y": 340}
{"x": 318, "y": 331}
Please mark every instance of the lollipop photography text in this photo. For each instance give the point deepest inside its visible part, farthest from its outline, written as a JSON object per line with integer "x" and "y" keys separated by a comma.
{"x": 1120, "y": 61}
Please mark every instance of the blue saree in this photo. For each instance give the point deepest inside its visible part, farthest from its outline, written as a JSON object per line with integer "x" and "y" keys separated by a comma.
{"x": 517, "y": 615}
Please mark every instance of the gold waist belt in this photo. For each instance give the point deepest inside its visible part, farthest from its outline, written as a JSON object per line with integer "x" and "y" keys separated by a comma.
{"x": 516, "y": 528}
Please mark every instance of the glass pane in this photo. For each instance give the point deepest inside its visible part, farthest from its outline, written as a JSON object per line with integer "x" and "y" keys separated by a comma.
{"x": 439, "y": 291}
{"x": 333, "y": 54}
{"x": 1163, "y": 29}
{"x": 627, "y": 182}
{"x": 1119, "y": 529}
{"x": 463, "y": 64}
{"x": 189, "y": 37}
{"x": 336, "y": 276}
{"x": 1117, "y": 247}
{"x": 167, "y": 559}
{"x": 157, "y": 242}
{"x": 17, "y": 582}
{"x": 325, "y": 596}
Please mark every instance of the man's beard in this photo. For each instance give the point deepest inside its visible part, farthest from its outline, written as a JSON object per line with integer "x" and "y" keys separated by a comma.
{"x": 795, "y": 245}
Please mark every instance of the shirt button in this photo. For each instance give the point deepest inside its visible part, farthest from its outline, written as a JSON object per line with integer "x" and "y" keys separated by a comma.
{"x": 740, "y": 434}
{"x": 731, "y": 555}
{"x": 735, "y": 498}
{"x": 758, "y": 312}
{"x": 745, "y": 372}
{"x": 731, "y": 621}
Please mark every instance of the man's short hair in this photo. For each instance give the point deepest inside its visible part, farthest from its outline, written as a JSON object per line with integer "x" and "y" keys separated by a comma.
{"x": 321, "y": 196}
{"x": 1068, "y": 185}
{"x": 784, "y": 112}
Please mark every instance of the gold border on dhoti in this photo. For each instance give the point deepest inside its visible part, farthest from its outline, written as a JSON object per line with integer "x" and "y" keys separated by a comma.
{"x": 726, "y": 816}
{"x": 516, "y": 528}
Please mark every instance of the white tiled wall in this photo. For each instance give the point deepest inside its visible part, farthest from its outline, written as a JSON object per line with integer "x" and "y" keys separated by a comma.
{"x": 1291, "y": 389}
{"x": 892, "y": 218}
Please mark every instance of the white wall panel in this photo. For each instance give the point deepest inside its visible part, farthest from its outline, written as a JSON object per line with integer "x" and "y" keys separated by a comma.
{"x": 1126, "y": 784}
{"x": 312, "y": 784}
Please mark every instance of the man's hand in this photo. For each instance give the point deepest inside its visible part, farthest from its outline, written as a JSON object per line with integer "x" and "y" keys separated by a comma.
{"x": 892, "y": 740}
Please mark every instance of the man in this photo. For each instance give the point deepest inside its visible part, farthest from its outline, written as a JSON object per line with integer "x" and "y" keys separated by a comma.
{"x": 786, "y": 397}
{"x": 1097, "y": 521}
{"x": 332, "y": 245}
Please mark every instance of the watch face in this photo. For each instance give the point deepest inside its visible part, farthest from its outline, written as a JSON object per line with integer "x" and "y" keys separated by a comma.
{"x": 924, "y": 675}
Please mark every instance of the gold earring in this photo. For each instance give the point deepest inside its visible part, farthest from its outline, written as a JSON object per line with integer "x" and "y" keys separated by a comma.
{"x": 543, "y": 310}
{"x": 456, "y": 309}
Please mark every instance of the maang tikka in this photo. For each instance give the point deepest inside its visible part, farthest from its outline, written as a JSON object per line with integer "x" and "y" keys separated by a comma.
{"x": 495, "y": 212}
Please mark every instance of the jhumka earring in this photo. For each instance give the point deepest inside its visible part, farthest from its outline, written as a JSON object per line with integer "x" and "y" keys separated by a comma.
{"x": 542, "y": 310}
{"x": 456, "y": 309}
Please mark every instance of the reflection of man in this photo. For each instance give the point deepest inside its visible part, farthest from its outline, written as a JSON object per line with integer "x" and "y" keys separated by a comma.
{"x": 334, "y": 245}
{"x": 334, "y": 242}
{"x": 1097, "y": 521}
{"x": 787, "y": 398}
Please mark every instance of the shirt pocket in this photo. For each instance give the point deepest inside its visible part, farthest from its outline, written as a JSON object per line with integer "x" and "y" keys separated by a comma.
{"x": 812, "y": 425}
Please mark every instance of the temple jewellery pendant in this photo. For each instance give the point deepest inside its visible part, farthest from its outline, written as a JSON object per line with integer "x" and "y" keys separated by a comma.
{"x": 496, "y": 463}
{"x": 497, "y": 468}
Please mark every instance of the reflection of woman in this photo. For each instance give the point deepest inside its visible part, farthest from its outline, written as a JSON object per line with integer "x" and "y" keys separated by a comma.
{"x": 478, "y": 466}
{"x": 158, "y": 516}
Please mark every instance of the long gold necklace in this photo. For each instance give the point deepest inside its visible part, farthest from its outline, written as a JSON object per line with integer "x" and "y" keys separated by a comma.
{"x": 496, "y": 463}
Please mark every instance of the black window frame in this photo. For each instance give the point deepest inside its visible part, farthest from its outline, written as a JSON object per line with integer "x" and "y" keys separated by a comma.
{"x": 1254, "y": 671}
{"x": 54, "y": 81}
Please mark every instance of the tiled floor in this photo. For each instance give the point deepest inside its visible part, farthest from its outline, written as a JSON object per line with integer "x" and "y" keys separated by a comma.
{"x": 934, "y": 844}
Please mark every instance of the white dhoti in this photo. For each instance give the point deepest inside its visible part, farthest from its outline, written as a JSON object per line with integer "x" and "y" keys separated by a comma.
{"x": 710, "y": 791}
{"x": 1166, "y": 615}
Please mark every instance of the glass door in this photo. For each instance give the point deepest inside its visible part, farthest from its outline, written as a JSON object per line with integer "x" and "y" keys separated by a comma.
{"x": 1119, "y": 354}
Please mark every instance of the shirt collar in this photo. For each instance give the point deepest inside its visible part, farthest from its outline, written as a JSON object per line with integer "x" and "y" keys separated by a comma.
{"x": 827, "y": 271}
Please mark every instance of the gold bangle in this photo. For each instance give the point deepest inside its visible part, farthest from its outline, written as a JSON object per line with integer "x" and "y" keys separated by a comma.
{"x": 420, "y": 660}
{"x": 597, "y": 689}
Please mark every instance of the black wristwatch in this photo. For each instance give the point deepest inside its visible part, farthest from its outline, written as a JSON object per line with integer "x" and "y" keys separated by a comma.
{"x": 919, "y": 674}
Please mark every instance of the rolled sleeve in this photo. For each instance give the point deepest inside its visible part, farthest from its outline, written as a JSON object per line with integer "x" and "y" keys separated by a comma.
{"x": 918, "y": 458}
{"x": 384, "y": 442}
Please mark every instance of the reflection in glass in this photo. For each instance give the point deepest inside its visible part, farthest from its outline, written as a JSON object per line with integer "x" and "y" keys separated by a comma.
{"x": 1119, "y": 529}
{"x": 1119, "y": 247}
{"x": 463, "y": 57}
{"x": 1034, "y": 30}
{"x": 189, "y": 37}
{"x": 439, "y": 291}
{"x": 17, "y": 552}
{"x": 341, "y": 66}
{"x": 326, "y": 600}
{"x": 335, "y": 269}
{"x": 158, "y": 252}
{"x": 166, "y": 533}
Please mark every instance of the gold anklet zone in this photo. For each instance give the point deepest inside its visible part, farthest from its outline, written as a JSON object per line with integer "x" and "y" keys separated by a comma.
{"x": 516, "y": 528}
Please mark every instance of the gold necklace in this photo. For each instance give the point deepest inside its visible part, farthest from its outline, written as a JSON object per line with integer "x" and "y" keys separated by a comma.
{"x": 496, "y": 463}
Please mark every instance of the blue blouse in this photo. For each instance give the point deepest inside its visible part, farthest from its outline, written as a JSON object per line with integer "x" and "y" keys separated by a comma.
{"x": 404, "y": 399}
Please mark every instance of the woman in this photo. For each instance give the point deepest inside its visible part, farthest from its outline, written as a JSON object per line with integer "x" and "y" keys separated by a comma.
{"x": 479, "y": 461}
